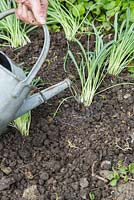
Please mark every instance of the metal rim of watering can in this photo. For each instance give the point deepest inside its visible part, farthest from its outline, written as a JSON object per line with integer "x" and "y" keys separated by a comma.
{"x": 38, "y": 63}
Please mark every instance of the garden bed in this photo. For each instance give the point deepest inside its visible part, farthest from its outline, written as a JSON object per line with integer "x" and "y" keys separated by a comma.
{"x": 64, "y": 157}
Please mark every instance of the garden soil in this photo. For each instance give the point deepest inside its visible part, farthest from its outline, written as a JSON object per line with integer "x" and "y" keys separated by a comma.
{"x": 69, "y": 156}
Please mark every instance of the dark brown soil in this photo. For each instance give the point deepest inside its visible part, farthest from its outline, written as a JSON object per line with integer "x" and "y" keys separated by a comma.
{"x": 59, "y": 155}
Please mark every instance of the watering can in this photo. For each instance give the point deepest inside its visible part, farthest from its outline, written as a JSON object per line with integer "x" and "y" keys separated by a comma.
{"x": 15, "y": 87}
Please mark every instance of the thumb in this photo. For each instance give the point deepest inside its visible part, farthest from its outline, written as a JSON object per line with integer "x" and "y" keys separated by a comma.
{"x": 39, "y": 9}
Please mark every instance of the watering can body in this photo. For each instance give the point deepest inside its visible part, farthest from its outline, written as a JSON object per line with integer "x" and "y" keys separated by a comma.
{"x": 9, "y": 77}
{"x": 15, "y": 87}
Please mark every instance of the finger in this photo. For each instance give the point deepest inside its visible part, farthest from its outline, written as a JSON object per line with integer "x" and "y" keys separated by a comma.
{"x": 28, "y": 17}
{"x": 31, "y": 18}
{"x": 39, "y": 9}
{"x": 24, "y": 15}
{"x": 19, "y": 11}
{"x": 26, "y": 2}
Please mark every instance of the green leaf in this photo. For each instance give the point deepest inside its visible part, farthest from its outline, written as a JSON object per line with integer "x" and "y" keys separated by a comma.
{"x": 81, "y": 10}
{"x": 123, "y": 170}
{"x": 96, "y": 11}
{"x": 55, "y": 28}
{"x": 132, "y": 15}
{"x": 113, "y": 182}
{"x": 111, "y": 176}
{"x": 124, "y": 5}
{"x": 131, "y": 4}
{"x": 131, "y": 69}
{"x": 110, "y": 5}
{"x": 102, "y": 18}
{"x": 131, "y": 168}
{"x": 110, "y": 13}
{"x": 126, "y": 179}
{"x": 91, "y": 195}
{"x": 22, "y": 123}
{"x": 116, "y": 175}
{"x": 106, "y": 25}
{"x": 89, "y": 5}
{"x": 116, "y": 9}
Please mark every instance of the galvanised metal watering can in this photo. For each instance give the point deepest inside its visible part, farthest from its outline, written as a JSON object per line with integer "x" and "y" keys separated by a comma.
{"x": 15, "y": 87}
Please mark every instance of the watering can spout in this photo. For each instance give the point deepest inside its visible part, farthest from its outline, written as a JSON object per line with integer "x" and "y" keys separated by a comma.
{"x": 41, "y": 97}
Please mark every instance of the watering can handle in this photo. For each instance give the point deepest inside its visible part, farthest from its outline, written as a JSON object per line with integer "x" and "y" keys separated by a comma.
{"x": 40, "y": 60}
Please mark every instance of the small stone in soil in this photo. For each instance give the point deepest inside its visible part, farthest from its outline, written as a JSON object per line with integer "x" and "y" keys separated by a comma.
{"x": 126, "y": 96}
{"x": 106, "y": 164}
{"x": 105, "y": 173}
{"x": 5, "y": 170}
{"x": 25, "y": 153}
{"x": 84, "y": 182}
{"x": 83, "y": 193}
{"x": 31, "y": 193}
{"x": 44, "y": 176}
{"x": 6, "y": 182}
{"x": 75, "y": 185}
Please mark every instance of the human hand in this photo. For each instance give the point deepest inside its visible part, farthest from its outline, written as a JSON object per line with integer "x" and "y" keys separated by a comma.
{"x": 32, "y": 11}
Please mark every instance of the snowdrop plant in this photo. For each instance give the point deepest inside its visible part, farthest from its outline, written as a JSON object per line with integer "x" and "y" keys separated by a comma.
{"x": 12, "y": 31}
{"x": 122, "y": 51}
{"x": 91, "y": 68}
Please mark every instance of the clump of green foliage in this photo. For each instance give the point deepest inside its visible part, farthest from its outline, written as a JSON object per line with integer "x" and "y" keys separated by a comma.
{"x": 122, "y": 52}
{"x": 121, "y": 172}
{"x": 58, "y": 13}
{"x": 103, "y": 12}
{"x": 91, "y": 67}
{"x": 12, "y": 31}
{"x": 108, "y": 57}
{"x": 67, "y": 15}
{"x": 22, "y": 123}
{"x": 106, "y": 10}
